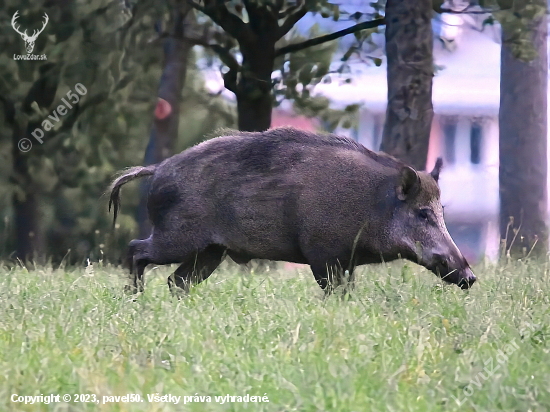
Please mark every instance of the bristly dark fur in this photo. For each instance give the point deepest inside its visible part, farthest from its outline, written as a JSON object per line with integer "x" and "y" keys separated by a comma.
{"x": 292, "y": 135}
{"x": 274, "y": 139}
{"x": 288, "y": 195}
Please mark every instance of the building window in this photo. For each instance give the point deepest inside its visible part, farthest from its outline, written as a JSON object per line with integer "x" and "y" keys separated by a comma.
{"x": 475, "y": 143}
{"x": 355, "y": 133}
{"x": 469, "y": 237}
{"x": 449, "y": 135}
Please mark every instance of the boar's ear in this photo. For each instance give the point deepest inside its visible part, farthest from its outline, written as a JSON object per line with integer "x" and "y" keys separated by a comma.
{"x": 437, "y": 169}
{"x": 409, "y": 183}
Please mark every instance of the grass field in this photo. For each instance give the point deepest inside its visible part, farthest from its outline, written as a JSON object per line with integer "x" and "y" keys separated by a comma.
{"x": 404, "y": 342}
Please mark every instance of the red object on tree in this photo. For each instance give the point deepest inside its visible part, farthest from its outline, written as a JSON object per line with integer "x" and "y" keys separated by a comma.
{"x": 163, "y": 109}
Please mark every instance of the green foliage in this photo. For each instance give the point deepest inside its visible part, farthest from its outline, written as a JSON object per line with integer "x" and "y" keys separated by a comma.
{"x": 403, "y": 342}
{"x": 294, "y": 74}
{"x": 516, "y": 23}
{"x": 298, "y": 74}
{"x": 516, "y": 19}
{"x": 110, "y": 48}
{"x": 301, "y": 71}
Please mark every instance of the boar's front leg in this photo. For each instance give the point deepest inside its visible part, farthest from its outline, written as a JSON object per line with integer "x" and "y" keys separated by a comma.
{"x": 198, "y": 267}
{"x": 331, "y": 276}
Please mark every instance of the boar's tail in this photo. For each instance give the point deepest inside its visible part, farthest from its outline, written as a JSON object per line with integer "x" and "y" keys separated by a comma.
{"x": 129, "y": 175}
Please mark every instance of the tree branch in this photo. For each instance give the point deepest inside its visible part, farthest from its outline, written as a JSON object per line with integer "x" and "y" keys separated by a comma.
{"x": 284, "y": 13}
{"x": 196, "y": 6}
{"x": 290, "y": 21}
{"x": 252, "y": 10}
{"x": 226, "y": 57}
{"x": 230, "y": 81}
{"x": 466, "y": 11}
{"x": 329, "y": 37}
{"x": 228, "y": 21}
{"x": 223, "y": 52}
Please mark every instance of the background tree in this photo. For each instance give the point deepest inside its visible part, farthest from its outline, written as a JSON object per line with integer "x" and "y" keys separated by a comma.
{"x": 253, "y": 31}
{"x": 523, "y": 129}
{"x": 110, "y": 48}
{"x": 164, "y": 132}
{"x": 409, "y": 51}
{"x": 31, "y": 90}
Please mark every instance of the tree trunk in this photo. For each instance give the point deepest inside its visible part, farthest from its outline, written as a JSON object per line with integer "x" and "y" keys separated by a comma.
{"x": 164, "y": 131}
{"x": 253, "y": 92}
{"x": 30, "y": 240}
{"x": 522, "y": 150}
{"x": 254, "y": 112}
{"x": 30, "y": 243}
{"x": 409, "y": 51}
{"x": 29, "y": 233}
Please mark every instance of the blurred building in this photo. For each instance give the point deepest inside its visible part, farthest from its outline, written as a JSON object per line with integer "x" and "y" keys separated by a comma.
{"x": 465, "y": 126}
{"x": 466, "y": 93}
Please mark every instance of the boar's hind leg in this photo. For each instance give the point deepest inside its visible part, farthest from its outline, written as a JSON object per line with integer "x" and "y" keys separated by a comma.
{"x": 137, "y": 261}
{"x": 196, "y": 268}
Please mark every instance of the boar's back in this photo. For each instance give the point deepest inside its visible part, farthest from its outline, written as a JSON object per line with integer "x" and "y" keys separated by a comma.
{"x": 246, "y": 190}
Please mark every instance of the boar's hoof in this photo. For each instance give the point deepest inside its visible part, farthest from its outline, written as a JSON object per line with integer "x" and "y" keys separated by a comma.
{"x": 130, "y": 289}
{"x": 178, "y": 289}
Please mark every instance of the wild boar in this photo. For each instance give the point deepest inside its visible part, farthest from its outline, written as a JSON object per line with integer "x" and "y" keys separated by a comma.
{"x": 290, "y": 195}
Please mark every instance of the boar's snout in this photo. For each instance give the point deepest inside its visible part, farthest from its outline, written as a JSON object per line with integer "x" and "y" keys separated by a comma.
{"x": 467, "y": 280}
{"x": 458, "y": 274}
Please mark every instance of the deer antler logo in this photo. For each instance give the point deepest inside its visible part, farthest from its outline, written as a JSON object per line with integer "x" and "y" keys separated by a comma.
{"x": 29, "y": 40}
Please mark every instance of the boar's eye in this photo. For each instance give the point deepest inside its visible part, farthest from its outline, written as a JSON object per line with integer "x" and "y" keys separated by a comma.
{"x": 424, "y": 214}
